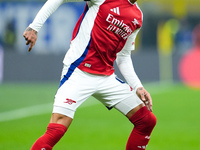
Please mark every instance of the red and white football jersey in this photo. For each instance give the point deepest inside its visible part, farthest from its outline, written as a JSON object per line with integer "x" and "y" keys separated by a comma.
{"x": 105, "y": 28}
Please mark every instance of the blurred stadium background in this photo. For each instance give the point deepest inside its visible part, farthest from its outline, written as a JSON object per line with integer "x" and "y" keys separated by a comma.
{"x": 167, "y": 23}
{"x": 166, "y": 36}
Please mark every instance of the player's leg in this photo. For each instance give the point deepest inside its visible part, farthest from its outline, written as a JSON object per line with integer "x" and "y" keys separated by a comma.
{"x": 143, "y": 121}
{"x": 70, "y": 95}
{"x": 61, "y": 119}
{"x": 55, "y": 130}
{"x": 115, "y": 93}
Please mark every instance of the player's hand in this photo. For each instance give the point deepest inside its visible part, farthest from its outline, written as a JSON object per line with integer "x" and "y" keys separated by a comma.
{"x": 145, "y": 97}
{"x": 30, "y": 36}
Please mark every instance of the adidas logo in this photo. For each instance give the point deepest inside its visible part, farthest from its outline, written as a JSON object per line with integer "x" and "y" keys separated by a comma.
{"x": 115, "y": 10}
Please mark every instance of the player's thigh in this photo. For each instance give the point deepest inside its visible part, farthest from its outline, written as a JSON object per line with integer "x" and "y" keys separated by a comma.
{"x": 72, "y": 93}
{"x": 113, "y": 92}
{"x": 130, "y": 104}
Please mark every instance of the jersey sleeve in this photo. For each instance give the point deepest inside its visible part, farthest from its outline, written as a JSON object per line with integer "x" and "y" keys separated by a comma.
{"x": 124, "y": 62}
{"x": 125, "y": 65}
{"x": 48, "y": 8}
{"x": 130, "y": 44}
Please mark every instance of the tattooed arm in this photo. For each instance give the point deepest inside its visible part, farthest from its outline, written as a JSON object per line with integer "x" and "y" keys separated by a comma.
{"x": 30, "y": 36}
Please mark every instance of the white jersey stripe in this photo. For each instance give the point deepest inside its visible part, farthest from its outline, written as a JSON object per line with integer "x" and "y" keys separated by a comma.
{"x": 118, "y": 10}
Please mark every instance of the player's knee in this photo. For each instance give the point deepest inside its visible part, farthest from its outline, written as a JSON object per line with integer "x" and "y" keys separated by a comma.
{"x": 146, "y": 124}
{"x": 149, "y": 122}
{"x": 144, "y": 121}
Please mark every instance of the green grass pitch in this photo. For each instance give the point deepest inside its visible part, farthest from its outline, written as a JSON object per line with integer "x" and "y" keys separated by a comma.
{"x": 94, "y": 127}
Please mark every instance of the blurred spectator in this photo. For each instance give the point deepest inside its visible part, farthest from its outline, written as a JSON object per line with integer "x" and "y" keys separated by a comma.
{"x": 9, "y": 36}
{"x": 183, "y": 37}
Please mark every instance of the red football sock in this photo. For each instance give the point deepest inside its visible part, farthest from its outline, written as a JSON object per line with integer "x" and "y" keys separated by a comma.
{"x": 50, "y": 138}
{"x": 144, "y": 122}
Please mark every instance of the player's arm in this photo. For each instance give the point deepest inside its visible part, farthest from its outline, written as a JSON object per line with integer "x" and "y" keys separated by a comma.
{"x": 30, "y": 34}
{"x": 125, "y": 65}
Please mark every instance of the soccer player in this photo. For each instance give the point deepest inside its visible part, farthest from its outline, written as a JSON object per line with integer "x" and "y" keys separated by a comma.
{"x": 105, "y": 32}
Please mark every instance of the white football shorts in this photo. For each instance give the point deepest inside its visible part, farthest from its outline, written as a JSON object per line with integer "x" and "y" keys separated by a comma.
{"x": 77, "y": 86}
